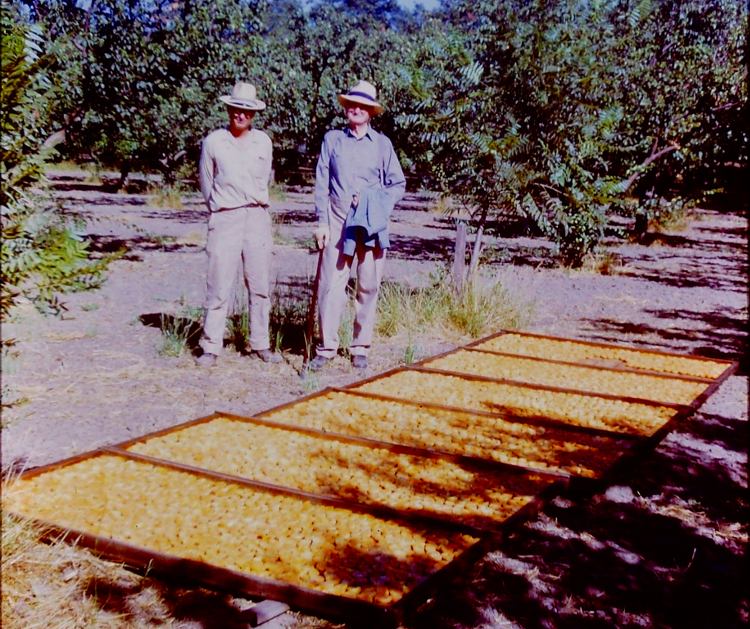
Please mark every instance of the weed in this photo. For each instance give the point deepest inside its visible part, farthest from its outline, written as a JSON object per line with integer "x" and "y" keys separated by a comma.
{"x": 180, "y": 331}
{"x": 278, "y": 220}
{"x": 603, "y": 262}
{"x": 308, "y": 244}
{"x": 89, "y": 307}
{"x": 412, "y": 352}
{"x": 443, "y": 205}
{"x": 287, "y": 319}
{"x": 312, "y": 382}
{"x": 482, "y": 306}
{"x": 346, "y": 330}
{"x": 277, "y": 192}
{"x": 672, "y": 217}
{"x": 238, "y": 321}
{"x": 167, "y": 196}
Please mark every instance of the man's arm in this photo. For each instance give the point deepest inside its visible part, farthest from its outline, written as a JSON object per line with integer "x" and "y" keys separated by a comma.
{"x": 265, "y": 175}
{"x": 206, "y": 171}
{"x": 323, "y": 181}
{"x": 393, "y": 176}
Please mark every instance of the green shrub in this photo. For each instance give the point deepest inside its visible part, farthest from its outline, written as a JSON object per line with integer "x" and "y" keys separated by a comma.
{"x": 43, "y": 254}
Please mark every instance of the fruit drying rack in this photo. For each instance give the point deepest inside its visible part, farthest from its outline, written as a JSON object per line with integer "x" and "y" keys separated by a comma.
{"x": 358, "y": 503}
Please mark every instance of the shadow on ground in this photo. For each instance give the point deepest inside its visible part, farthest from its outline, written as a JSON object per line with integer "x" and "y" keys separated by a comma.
{"x": 644, "y": 556}
{"x": 716, "y": 334}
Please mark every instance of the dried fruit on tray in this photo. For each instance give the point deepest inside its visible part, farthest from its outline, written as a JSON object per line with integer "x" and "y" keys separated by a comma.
{"x": 468, "y": 494}
{"x": 569, "y": 350}
{"x": 232, "y": 526}
{"x": 572, "y": 408}
{"x": 621, "y": 383}
{"x": 479, "y": 435}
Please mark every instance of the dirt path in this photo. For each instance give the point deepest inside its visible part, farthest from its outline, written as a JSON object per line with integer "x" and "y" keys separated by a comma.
{"x": 661, "y": 553}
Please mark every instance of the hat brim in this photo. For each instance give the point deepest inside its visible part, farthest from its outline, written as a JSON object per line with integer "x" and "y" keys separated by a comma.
{"x": 247, "y": 105}
{"x": 346, "y": 100}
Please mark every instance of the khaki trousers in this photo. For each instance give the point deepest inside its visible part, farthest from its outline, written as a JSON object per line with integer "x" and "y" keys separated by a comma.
{"x": 240, "y": 235}
{"x": 334, "y": 276}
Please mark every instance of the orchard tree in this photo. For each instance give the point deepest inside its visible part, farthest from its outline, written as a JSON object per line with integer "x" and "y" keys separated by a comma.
{"x": 560, "y": 111}
{"x": 142, "y": 77}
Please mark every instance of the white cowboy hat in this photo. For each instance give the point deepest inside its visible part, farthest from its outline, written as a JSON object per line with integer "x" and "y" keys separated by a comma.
{"x": 244, "y": 97}
{"x": 363, "y": 93}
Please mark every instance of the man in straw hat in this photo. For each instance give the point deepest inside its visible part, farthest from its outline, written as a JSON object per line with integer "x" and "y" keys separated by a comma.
{"x": 235, "y": 168}
{"x": 357, "y": 182}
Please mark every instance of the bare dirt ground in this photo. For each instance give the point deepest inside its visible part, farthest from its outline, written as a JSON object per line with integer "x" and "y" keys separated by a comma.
{"x": 663, "y": 549}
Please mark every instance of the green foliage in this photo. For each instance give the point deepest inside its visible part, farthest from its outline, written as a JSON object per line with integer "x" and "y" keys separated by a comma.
{"x": 42, "y": 253}
{"x": 559, "y": 111}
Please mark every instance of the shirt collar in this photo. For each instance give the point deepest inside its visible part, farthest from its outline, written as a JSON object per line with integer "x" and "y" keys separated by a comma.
{"x": 368, "y": 134}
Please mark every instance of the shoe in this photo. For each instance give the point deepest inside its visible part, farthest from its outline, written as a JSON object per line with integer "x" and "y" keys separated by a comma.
{"x": 359, "y": 362}
{"x": 206, "y": 360}
{"x": 266, "y": 355}
{"x": 317, "y": 363}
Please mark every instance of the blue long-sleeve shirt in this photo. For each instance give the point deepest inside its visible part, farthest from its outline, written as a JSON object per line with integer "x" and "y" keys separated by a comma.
{"x": 348, "y": 165}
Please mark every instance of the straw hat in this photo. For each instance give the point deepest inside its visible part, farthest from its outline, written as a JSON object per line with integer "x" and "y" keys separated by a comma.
{"x": 244, "y": 97}
{"x": 363, "y": 93}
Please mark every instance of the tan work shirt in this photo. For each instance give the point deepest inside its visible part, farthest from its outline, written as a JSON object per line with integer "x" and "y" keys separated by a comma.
{"x": 234, "y": 176}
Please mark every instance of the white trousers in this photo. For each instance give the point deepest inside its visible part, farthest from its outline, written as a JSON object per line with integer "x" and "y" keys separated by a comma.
{"x": 334, "y": 277}
{"x": 238, "y": 236}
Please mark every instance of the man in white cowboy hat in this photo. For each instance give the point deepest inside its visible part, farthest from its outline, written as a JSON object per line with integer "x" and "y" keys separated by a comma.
{"x": 235, "y": 168}
{"x": 357, "y": 182}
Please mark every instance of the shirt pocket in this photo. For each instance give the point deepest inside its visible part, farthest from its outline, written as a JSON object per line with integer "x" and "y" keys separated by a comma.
{"x": 259, "y": 167}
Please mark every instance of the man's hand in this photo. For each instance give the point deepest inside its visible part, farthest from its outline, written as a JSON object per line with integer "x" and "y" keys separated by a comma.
{"x": 322, "y": 235}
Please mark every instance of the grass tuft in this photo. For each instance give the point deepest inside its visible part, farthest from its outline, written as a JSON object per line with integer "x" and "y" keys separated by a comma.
{"x": 180, "y": 331}
{"x": 167, "y": 196}
{"x": 603, "y": 262}
{"x": 482, "y": 307}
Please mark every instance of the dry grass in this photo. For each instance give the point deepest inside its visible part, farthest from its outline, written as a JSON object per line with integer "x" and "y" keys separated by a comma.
{"x": 60, "y": 586}
{"x": 49, "y": 585}
{"x": 603, "y": 263}
{"x": 166, "y": 196}
{"x": 482, "y": 307}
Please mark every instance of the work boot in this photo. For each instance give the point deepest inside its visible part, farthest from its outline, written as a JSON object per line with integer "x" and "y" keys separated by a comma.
{"x": 359, "y": 362}
{"x": 266, "y": 355}
{"x": 317, "y": 363}
{"x": 206, "y": 360}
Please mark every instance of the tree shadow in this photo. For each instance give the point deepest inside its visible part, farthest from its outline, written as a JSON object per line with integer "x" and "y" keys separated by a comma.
{"x": 103, "y": 244}
{"x": 721, "y": 333}
{"x": 420, "y": 249}
{"x": 185, "y": 216}
{"x": 523, "y": 253}
{"x": 649, "y": 560}
{"x": 714, "y": 272}
{"x": 297, "y": 216}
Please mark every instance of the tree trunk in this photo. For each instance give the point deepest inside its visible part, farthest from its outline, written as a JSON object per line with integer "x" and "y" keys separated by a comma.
{"x": 477, "y": 249}
{"x": 475, "y": 252}
{"x": 459, "y": 258}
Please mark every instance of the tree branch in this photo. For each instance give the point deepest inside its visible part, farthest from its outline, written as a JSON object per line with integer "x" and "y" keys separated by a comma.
{"x": 648, "y": 161}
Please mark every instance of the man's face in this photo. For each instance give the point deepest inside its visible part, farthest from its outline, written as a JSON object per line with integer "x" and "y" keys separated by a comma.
{"x": 358, "y": 114}
{"x": 240, "y": 119}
